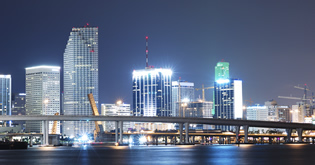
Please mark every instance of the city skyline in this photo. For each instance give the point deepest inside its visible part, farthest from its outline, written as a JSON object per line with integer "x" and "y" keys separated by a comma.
{"x": 283, "y": 50}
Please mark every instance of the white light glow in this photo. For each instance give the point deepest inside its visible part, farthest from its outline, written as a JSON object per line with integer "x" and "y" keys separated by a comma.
{"x": 5, "y": 76}
{"x": 223, "y": 81}
{"x": 142, "y": 139}
{"x": 185, "y": 100}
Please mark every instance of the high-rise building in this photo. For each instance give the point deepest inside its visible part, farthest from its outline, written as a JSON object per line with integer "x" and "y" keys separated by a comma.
{"x": 272, "y": 110}
{"x": 42, "y": 95}
{"x": 228, "y": 100}
{"x": 284, "y": 114}
{"x": 18, "y": 107}
{"x": 5, "y": 96}
{"x": 80, "y": 78}
{"x": 222, "y": 71}
{"x": 152, "y": 92}
{"x": 187, "y": 94}
{"x": 257, "y": 113}
{"x": 118, "y": 109}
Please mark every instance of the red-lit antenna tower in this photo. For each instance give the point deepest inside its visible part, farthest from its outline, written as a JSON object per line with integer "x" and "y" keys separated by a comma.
{"x": 147, "y": 51}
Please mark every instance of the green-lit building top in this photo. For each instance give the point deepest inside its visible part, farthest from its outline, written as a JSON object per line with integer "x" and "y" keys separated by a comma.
{"x": 222, "y": 71}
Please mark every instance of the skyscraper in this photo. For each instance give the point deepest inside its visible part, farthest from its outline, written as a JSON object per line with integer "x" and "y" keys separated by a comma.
{"x": 18, "y": 107}
{"x": 152, "y": 92}
{"x": 80, "y": 77}
{"x": 5, "y": 95}
{"x": 42, "y": 95}
{"x": 222, "y": 71}
{"x": 187, "y": 94}
{"x": 228, "y": 100}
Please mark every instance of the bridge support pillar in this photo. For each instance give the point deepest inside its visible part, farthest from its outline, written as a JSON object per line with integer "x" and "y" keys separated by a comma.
{"x": 116, "y": 131}
{"x": 180, "y": 133}
{"x": 237, "y": 132}
{"x": 165, "y": 138}
{"x": 289, "y": 131}
{"x": 45, "y": 130}
{"x": 121, "y": 131}
{"x": 245, "y": 133}
{"x": 300, "y": 131}
{"x": 187, "y": 133}
{"x": 31, "y": 141}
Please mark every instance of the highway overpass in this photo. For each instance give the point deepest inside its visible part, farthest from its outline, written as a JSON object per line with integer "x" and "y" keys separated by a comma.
{"x": 120, "y": 119}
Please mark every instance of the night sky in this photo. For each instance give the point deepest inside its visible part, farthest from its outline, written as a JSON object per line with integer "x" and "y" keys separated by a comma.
{"x": 269, "y": 44}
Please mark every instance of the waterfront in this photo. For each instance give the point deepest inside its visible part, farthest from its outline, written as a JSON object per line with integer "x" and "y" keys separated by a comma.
{"x": 216, "y": 154}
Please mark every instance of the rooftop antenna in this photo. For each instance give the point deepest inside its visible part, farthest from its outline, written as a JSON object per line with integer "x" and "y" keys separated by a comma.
{"x": 146, "y": 52}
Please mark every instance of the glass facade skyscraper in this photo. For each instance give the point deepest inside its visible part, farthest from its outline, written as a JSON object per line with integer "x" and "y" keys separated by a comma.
{"x": 5, "y": 95}
{"x": 42, "y": 95}
{"x": 152, "y": 92}
{"x": 80, "y": 78}
{"x": 228, "y": 100}
{"x": 222, "y": 71}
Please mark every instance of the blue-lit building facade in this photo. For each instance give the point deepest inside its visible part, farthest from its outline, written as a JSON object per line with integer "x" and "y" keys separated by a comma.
{"x": 80, "y": 78}
{"x": 228, "y": 101}
{"x": 5, "y": 95}
{"x": 152, "y": 92}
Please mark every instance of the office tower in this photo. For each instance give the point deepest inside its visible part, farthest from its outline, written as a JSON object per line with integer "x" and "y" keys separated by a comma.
{"x": 272, "y": 110}
{"x": 284, "y": 114}
{"x": 42, "y": 95}
{"x": 152, "y": 92}
{"x": 18, "y": 107}
{"x": 257, "y": 113}
{"x": 118, "y": 109}
{"x": 187, "y": 94}
{"x": 80, "y": 78}
{"x": 222, "y": 70}
{"x": 200, "y": 109}
{"x": 5, "y": 97}
{"x": 228, "y": 100}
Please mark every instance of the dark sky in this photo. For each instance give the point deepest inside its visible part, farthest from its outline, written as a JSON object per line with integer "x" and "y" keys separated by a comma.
{"x": 269, "y": 44}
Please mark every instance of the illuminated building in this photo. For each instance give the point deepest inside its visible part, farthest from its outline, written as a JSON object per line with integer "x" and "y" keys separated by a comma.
{"x": 257, "y": 113}
{"x": 222, "y": 71}
{"x": 228, "y": 101}
{"x": 152, "y": 92}
{"x": 18, "y": 107}
{"x": 118, "y": 109}
{"x": 187, "y": 94}
{"x": 80, "y": 78}
{"x": 272, "y": 110}
{"x": 42, "y": 95}
{"x": 284, "y": 113}
{"x": 5, "y": 99}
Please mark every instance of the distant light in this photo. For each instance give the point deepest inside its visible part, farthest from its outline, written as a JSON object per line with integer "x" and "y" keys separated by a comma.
{"x": 143, "y": 140}
{"x": 119, "y": 102}
{"x": 186, "y": 100}
{"x": 223, "y": 81}
{"x": 146, "y": 37}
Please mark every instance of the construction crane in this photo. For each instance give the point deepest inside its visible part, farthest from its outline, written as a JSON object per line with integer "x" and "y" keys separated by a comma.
{"x": 98, "y": 125}
{"x": 54, "y": 128}
{"x": 250, "y": 101}
{"x": 203, "y": 91}
{"x": 304, "y": 99}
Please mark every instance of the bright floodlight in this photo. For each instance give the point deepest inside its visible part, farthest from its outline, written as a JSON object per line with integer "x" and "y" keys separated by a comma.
{"x": 222, "y": 81}
{"x": 185, "y": 100}
{"x": 119, "y": 102}
{"x": 142, "y": 139}
{"x": 85, "y": 137}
